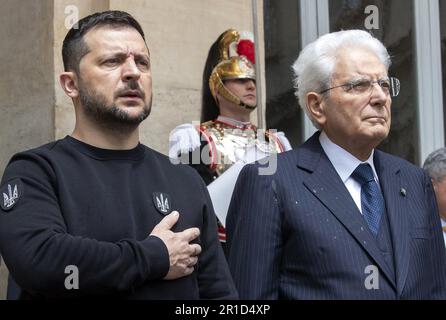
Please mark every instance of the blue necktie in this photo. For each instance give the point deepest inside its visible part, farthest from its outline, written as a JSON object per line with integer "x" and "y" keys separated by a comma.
{"x": 372, "y": 201}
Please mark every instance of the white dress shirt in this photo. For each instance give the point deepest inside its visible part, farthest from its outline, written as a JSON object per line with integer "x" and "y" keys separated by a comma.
{"x": 345, "y": 163}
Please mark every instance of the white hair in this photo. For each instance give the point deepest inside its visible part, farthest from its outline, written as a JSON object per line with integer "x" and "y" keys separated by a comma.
{"x": 314, "y": 67}
{"x": 435, "y": 164}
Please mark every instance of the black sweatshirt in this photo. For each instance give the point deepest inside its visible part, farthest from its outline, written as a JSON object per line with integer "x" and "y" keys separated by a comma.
{"x": 71, "y": 204}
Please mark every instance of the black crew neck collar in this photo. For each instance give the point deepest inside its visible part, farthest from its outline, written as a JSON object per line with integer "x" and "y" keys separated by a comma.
{"x": 107, "y": 154}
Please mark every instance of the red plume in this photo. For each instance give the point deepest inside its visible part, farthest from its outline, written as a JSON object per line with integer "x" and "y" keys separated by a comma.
{"x": 246, "y": 48}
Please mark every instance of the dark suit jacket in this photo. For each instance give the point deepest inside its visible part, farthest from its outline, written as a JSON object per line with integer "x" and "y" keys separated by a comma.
{"x": 297, "y": 234}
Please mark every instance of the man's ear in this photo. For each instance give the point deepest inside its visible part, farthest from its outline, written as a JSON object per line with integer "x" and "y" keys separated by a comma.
{"x": 434, "y": 184}
{"x": 69, "y": 83}
{"x": 316, "y": 107}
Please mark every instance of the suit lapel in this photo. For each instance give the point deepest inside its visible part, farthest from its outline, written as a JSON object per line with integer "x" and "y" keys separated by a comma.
{"x": 392, "y": 185}
{"x": 326, "y": 185}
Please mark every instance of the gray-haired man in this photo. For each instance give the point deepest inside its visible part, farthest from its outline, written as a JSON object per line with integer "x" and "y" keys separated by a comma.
{"x": 338, "y": 219}
{"x": 435, "y": 165}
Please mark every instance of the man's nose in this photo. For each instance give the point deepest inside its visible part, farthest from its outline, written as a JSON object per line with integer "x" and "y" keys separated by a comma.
{"x": 130, "y": 70}
{"x": 250, "y": 84}
{"x": 378, "y": 96}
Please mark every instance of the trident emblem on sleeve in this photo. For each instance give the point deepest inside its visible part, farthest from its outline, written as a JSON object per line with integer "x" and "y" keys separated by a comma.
{"x": 10, "y": 198}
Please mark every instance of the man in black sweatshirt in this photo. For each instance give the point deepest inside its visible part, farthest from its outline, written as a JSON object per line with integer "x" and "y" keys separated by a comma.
{"x": 97, "y": 213}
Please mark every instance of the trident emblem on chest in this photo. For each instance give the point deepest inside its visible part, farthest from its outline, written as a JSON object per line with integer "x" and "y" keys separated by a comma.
{"x": 163, "y": 204}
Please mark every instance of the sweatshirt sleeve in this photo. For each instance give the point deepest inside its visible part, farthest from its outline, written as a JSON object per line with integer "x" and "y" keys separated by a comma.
{"x": 40, "y": 254}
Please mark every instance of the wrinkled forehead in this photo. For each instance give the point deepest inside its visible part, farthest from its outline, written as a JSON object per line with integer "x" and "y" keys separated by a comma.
{"x": 122, "y": 39}
{"x": 358, "y": 62}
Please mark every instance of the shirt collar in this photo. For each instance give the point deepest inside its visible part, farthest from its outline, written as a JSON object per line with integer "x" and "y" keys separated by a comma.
{"x": 235, "y": 123}
{"x": 343, "y": 161}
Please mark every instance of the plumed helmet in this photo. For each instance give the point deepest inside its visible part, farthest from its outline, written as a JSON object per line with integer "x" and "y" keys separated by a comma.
{"x": 236, "y": 62}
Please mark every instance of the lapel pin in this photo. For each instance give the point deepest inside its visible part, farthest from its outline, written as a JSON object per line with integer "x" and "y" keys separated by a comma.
{"x": 403, "y": 192}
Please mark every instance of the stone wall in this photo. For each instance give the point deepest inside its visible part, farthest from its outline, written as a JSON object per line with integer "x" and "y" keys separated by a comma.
{"x": 27, "y": 81}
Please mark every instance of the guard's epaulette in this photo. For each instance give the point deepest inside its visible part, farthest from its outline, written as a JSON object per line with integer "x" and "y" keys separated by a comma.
{"x": 280, "y": 139}
{"x": 209, "y": 127}
{"x": 183, "y": 139}
{"x": 284, "y": 141}
{"x": 208, "y": 124}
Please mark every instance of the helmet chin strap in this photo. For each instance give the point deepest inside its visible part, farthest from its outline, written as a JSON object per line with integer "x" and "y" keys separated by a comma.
{"x": 247, "y": 106}
{"x": 228, "y": 95}
{"x": 225, "y": 93}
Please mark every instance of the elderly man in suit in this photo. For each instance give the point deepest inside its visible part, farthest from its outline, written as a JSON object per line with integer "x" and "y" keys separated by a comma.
{"x": 338, "y": 219}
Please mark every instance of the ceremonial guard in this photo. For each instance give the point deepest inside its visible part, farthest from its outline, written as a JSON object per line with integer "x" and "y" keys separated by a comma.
{"x": 226, "y": 135}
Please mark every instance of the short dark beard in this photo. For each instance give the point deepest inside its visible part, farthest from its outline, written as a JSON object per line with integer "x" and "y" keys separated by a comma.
{"x": 111, "y": 117}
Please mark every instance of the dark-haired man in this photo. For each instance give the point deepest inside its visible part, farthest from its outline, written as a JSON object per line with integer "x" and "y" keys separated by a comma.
{"x": 97, "y": 213}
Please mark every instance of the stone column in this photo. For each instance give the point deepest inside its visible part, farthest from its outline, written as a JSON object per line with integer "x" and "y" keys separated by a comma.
{"x": 26, "y": 82}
